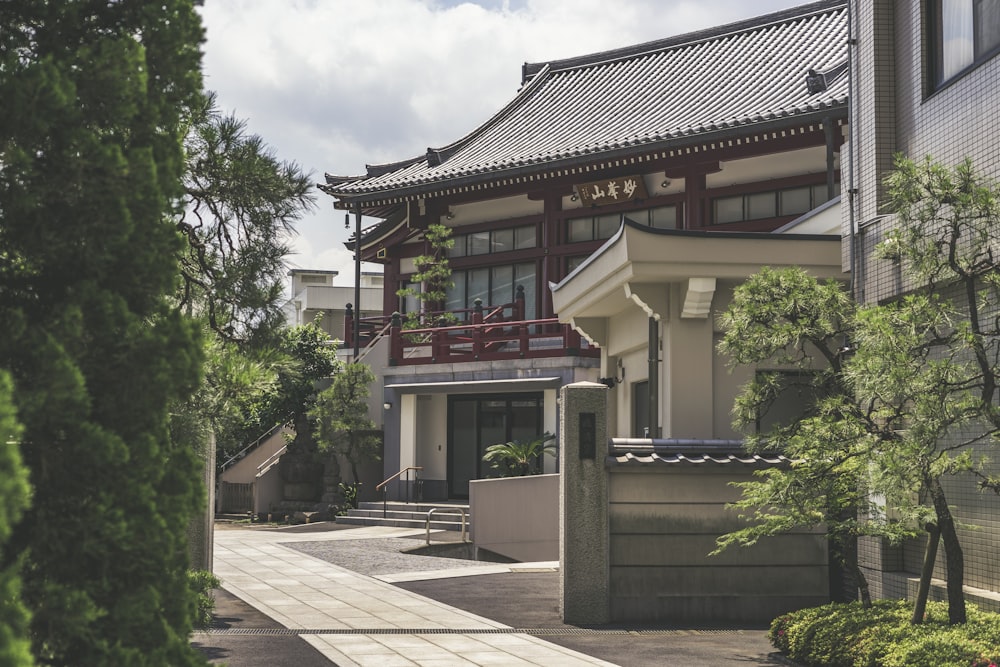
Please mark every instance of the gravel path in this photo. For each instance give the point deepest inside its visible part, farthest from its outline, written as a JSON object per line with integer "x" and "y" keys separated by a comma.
{"x": 375, "y": 557}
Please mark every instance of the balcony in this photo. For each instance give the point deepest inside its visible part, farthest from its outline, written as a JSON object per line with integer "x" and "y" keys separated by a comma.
{"x": 495, "y": 333}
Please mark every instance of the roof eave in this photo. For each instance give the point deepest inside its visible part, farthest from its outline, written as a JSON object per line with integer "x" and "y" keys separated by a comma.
{"x": 836, "y": 109}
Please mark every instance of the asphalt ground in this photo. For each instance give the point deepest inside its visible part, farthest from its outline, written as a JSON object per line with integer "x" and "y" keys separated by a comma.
{"x": 524, "y": 600}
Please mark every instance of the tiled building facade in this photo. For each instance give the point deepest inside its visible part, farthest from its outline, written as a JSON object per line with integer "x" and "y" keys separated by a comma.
{"x": 910, "y": 96}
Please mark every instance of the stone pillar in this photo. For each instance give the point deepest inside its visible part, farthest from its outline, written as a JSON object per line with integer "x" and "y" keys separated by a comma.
{"x": 201, "y": 540}
{"x": 583, "y": 504}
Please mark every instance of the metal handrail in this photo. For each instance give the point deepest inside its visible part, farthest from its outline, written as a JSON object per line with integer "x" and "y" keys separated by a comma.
{"x": 264, "y": 467}
{"x": 371, "y": 344}
{"x": 427, "y": 524}
{"x": 240, "y": 454}
{"x": 386, "y": 481}
{"x": 385, "y": 489}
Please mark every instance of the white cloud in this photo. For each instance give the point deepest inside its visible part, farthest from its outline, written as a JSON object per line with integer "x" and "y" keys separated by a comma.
{"x": 337, "y": 84}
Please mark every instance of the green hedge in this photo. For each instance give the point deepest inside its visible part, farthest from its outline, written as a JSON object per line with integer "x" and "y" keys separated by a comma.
{"x": 848, "y": 635}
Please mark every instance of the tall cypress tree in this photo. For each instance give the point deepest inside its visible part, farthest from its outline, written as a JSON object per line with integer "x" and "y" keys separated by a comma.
{"x": 13, "y": 499}
{"x": 91, "y": 162}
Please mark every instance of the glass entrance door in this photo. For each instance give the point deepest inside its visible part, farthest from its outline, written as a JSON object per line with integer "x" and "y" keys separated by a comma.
{"x": 476, "y": 422}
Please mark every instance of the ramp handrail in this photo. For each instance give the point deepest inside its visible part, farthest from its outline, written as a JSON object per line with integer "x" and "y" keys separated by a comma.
{"x": 447, "y": 510}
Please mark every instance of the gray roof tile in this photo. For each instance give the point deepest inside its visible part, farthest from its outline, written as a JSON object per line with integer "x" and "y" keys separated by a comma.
{"x": 643, "y": 452}
{"x": 646, "y": 96}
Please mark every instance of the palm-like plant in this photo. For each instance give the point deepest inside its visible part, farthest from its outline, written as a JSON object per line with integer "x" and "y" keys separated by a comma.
{"x": 517, "y": 458}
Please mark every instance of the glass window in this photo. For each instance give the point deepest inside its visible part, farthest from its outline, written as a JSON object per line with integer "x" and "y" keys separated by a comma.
{"x": 728, "y": 209}
{"x": 573, "y": 262}
{"x": 496, "y": 286}
{"x": 502, "y": 241}
{"x": 965, "y": 32}
{"x": 455, "y": 299}
{"x": 410, "y": 303}
{"x": 760, "y": 205}
{"x": 664, "y": 217}
{"x": 795, "y": 201}
{"x": 607, "y": 225}
{"x": 580, "y": 229}
{"x": 458, "y": 250}
{"x": 502, "y": 288}
{"x": 479, "y": 243}
{"x": 987, "y": 21}
{"x": 478, "y": 281}
{"x": 524, "y": 275}
{"x": 524, "y": 237}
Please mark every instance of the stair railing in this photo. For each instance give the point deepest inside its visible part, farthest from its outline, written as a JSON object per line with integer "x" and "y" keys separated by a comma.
{"x": 384, "y": 485}
{"x": 256, "y": 443}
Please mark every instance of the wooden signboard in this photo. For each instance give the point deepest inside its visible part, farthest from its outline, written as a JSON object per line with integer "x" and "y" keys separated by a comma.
{"x": 612, "y": 191}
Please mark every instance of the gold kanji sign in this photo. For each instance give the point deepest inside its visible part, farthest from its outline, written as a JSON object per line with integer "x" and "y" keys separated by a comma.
{"x": 612, "y": 191}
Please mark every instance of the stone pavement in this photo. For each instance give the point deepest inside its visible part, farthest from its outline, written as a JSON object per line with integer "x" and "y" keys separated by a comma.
{"x": 342, "y": 592}
{"x": 354, "y": 619}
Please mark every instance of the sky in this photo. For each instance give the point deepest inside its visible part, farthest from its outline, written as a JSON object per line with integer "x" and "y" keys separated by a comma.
{"x": 334, "y": 85}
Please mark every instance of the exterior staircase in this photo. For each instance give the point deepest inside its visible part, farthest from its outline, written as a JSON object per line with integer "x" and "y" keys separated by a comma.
{"x": 447, "y": 516}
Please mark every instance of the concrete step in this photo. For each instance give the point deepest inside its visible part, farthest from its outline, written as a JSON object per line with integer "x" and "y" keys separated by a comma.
{"x": 412, "y": 507}
{"x": 406, "y": 515}
{"x": 415, "y": 524}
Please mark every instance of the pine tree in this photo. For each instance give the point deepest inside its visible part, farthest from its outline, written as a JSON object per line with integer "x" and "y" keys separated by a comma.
{"x": 91, "y": 162}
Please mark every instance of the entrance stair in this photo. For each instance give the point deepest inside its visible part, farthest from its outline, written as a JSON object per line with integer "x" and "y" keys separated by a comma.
{"x": 447, "y": 516}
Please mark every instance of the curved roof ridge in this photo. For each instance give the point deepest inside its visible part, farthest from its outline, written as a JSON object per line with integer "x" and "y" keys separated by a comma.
{"x": 532, "y": 70}
{"x": 445, "y": 152}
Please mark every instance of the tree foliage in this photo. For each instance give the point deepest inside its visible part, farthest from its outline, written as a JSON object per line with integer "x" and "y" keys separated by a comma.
{"x": 518, "y": 458}
{"x": 340, "y": 414}
{"x": 240, "y": 207}
{"x": 91, "y": 166}
{"x": 14, "y": 490}
{"x": 433, "y": 279}
{"x": 912, "y": 404}
{"x": 787, "y": 320}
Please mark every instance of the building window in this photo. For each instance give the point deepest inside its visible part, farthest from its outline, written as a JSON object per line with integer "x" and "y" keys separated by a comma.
{"x": 661, "y": 217}
{"x": 494, "y": 286}
{"x": 593, "y": 228}
{"x": 771, "y": 204}
{"x": 494, "y": 241}
{"x": 963, "y": 33}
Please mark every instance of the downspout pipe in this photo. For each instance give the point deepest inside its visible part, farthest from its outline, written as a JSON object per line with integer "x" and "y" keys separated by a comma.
{"x": 654, "y": 378}
{"x": 852, "y": 102}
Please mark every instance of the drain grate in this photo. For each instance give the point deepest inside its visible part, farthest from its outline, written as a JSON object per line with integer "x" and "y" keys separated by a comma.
{"x": 537, "y": 632}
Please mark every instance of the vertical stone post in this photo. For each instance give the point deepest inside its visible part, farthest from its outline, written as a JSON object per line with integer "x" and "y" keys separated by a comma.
{"x": 201, "y": 537}
{"x": 583, "y": 504}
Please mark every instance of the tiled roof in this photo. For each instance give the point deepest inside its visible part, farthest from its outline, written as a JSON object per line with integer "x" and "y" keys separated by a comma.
{"x": 691, "y": 87}
{"x": 638, "y": 452}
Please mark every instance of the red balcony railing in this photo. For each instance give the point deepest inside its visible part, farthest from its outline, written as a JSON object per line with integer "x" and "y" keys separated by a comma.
{"x": 487, "y": 334}
{"x": 485, "y": 342}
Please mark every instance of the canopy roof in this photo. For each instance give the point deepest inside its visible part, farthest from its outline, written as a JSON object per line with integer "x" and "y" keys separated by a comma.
{"x": 773, "y": 71}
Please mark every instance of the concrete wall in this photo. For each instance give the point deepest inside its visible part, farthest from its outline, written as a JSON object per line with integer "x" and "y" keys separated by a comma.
{"x": 517, "y": 517}
{"x": 244, "y": 471}
{"x": 635, "y": 534}
{"x": 663, "y": 523}
{"x": 268, "y": 490}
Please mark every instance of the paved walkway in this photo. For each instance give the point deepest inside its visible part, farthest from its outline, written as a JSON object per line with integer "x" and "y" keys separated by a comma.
{"x": 354, "y": 619}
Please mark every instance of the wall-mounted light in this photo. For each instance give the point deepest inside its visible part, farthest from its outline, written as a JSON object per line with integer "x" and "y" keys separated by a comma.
{"x": 387, "y": 405}
{"x": 574, "y": 197}
{"x": 610, "y": 382}
{"x": 665, "y": 184}
{"x": 450, "y": 214}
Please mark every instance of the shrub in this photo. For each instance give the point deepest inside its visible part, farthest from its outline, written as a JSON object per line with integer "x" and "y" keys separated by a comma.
{"x": 849, "y": 635}
{"x": 201, "y": 583}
